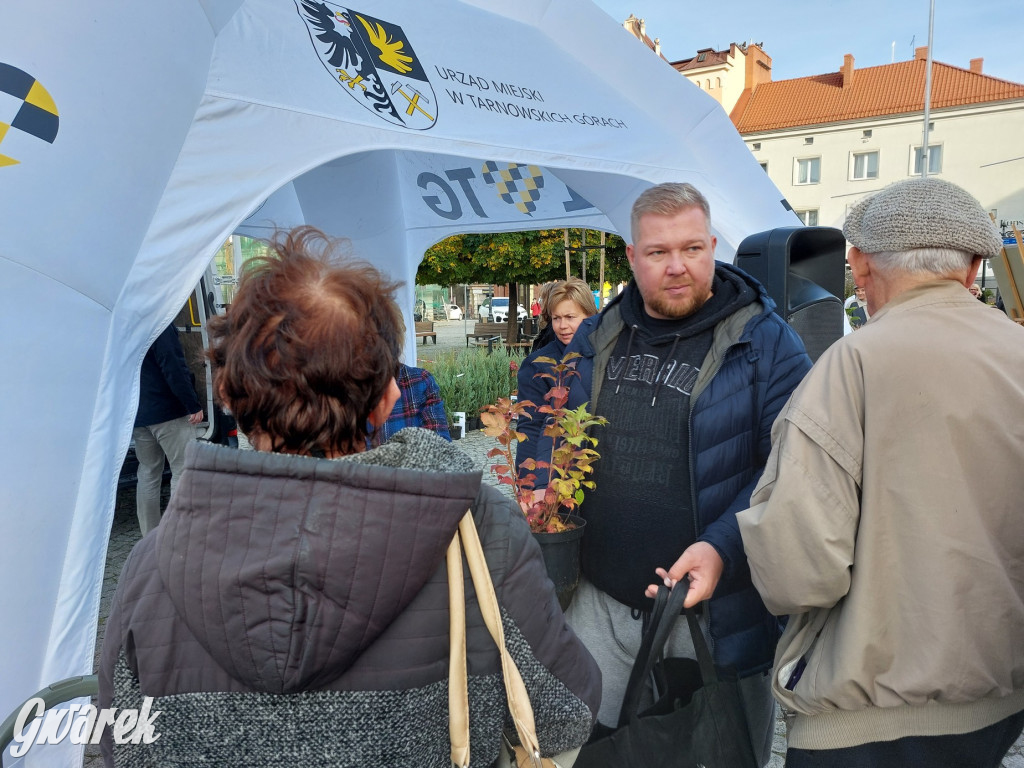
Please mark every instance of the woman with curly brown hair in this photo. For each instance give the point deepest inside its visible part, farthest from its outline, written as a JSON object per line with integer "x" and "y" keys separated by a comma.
{"x": 292, "y": 606}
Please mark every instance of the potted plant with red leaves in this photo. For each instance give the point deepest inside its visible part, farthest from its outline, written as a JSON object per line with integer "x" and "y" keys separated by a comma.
{"x": 573, "y": 453}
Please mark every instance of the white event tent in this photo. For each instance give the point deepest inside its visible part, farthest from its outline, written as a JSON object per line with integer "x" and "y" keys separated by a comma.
{"x": 135, "y": 138}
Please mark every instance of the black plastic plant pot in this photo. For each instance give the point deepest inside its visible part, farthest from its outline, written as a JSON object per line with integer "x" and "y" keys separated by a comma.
{"x": 561, "y": 553}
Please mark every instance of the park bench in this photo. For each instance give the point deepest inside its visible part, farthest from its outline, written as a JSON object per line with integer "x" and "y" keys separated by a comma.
{"x": 425, "y": 330}
{"x": 529, "y": 330}
{"x": 486, "y": 333}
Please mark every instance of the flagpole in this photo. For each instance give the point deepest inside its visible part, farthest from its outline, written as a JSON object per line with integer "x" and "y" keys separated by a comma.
{"x": 926, "y": 150}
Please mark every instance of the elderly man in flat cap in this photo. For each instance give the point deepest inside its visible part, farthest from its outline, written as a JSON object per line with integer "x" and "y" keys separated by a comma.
{"x": 888, "y": 523}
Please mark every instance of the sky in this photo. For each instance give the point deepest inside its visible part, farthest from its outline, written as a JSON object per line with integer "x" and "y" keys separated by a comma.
{"x": 810, "y": 37}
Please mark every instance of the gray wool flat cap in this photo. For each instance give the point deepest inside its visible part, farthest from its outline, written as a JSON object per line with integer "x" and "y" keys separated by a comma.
{"x": 922, "y": 213}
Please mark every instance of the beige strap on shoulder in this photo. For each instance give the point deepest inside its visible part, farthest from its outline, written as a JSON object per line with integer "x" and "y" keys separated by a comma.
{"x": 458, "y": 694}
{"x": 458, "y": 681}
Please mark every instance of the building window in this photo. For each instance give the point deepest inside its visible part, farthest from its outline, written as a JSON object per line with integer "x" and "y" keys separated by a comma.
{"x": 934, "y": 159}
{"x": 808, "y": 170}
{"x": 764, "y": 165}
{"x": 701, "y": 56}
{"x": 864, "y": 165}
{"x": 808, "y": 139}
{"x": 718, "y": 82}
{"x": 809, "y": 218}
{"x": 866, "y": 134}
{"x": 756, "y": 145}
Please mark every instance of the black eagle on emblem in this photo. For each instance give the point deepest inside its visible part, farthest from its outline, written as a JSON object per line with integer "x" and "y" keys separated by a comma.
{"x": 346, "y": 52}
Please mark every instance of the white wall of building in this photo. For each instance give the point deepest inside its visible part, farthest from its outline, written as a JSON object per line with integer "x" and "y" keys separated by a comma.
{"x": 982, "y": 151}
{"x": 723, "y": 82}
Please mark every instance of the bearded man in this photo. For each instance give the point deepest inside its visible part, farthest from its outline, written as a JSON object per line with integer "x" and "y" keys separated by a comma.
{"x": 690, "y": 365}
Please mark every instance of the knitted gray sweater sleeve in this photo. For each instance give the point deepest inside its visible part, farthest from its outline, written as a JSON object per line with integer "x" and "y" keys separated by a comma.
{"x": 561, "y": 677}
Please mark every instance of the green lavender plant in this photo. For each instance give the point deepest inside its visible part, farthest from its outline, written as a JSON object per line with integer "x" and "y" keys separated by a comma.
{"x": 471, "y": 379}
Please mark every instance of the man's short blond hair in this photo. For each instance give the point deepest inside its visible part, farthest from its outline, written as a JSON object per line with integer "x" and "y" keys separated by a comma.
{"x": 667, "y": 199}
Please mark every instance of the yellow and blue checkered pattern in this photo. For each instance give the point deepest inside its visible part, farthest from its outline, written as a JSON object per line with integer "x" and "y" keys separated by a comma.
{"x": 32, "y": 111}
{"x": 517, "y": 184}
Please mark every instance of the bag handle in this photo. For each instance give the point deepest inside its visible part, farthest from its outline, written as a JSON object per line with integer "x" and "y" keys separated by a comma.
{"x": 458, "y": 679}
{"x": 515, "y": 690}
{"x": 637, "y": 675}
{"x": 668, "y": 604}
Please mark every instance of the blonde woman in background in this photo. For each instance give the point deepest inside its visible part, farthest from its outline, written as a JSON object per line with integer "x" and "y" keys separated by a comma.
{"x": 566, "y": 305}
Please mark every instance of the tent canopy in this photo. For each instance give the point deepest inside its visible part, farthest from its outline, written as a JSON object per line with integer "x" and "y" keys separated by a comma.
{"x": 141, "y": 140}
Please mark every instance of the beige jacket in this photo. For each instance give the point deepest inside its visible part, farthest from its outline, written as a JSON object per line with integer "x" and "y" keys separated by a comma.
{"x": 889, "y": 524}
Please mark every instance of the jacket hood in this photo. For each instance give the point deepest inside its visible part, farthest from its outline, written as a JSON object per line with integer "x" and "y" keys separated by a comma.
{"x": 729, "y": 293}
{"x": 285, "y": 568}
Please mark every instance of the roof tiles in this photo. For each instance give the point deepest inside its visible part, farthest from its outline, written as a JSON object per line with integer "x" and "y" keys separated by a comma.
{"x": 890, "y": 89}
{"x": 711, "y": 58}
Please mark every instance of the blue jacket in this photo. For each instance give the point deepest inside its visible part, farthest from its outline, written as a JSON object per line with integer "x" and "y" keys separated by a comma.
{"x": 529, "y": 387}
{"x": 755, "y": 362}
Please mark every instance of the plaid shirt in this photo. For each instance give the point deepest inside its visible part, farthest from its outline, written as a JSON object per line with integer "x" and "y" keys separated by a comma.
{"x": 419, "y": 406}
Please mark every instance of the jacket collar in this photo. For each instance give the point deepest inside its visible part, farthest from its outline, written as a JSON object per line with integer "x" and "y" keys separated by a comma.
{"x": 600, "y": 330}
{"x": 933, "y": 292}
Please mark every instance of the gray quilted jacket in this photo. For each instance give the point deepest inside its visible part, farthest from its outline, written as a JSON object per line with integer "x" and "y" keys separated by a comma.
{"x": 294, "y": 611}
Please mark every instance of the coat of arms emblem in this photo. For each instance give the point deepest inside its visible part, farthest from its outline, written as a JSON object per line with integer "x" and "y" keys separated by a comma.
{"x": 373, "y": 61}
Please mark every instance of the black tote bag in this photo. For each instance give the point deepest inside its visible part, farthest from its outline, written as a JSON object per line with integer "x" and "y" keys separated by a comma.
{"x": 697, "y": 718}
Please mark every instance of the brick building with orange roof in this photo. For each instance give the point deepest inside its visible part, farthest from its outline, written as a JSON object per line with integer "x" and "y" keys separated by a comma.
{"x": 828, "y": 140}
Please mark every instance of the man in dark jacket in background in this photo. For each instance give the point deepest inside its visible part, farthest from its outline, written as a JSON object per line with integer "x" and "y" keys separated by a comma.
{"x": 690, "y": 365}
{"x": 165, "y": 422}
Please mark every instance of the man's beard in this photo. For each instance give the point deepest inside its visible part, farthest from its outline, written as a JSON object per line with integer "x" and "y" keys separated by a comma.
{"x": 677, "y": 309}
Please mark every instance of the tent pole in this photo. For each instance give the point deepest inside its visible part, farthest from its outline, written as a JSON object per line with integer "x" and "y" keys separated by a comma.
{"x": 566, "y": 231}
{"x": 600, "y": 279}
{"x": 583, "y": 249}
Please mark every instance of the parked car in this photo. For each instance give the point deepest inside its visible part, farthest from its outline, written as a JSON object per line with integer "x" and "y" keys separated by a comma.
{"x": 454, "y": 311}
{"x": 496, "y": 310}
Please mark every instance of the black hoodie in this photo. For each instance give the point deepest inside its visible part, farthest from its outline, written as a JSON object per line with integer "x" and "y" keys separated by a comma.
{"x": 644, "y": 464}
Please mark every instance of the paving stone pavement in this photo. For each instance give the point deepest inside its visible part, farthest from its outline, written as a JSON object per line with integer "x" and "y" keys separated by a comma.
{"x": 125, "y": 533}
